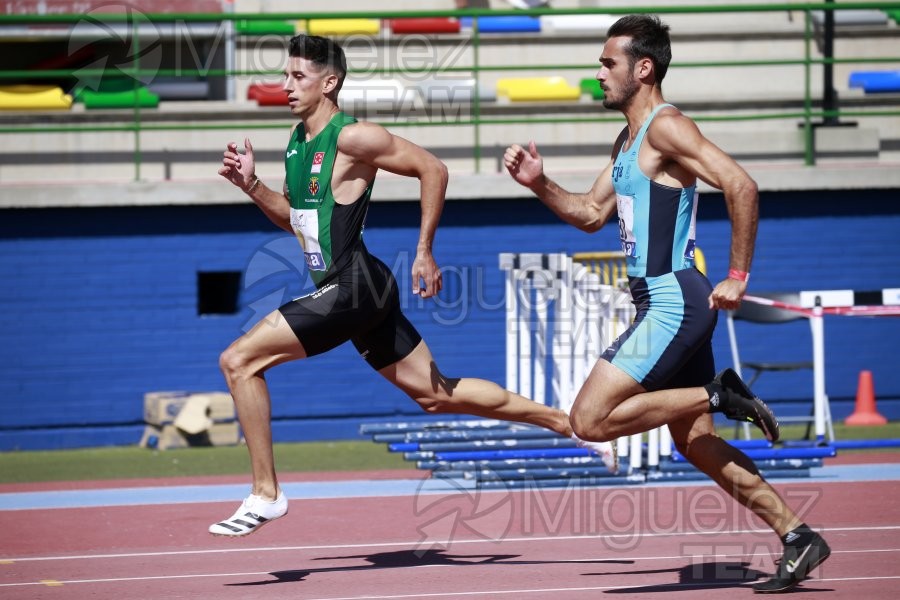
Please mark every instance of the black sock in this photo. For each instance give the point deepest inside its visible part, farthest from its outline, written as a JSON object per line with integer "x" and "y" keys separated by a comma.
{"x": 799, "y": 536}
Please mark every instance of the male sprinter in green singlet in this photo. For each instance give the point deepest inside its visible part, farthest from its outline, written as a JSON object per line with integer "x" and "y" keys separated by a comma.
{"x": 661, "y": 371}
{"x": 331, "y": 162}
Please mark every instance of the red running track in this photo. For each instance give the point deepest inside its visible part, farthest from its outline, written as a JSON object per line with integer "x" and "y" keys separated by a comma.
{"x": 641, "y": 541}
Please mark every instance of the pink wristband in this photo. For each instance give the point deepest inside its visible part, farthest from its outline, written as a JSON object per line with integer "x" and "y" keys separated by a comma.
{"x": 738, "y": 275}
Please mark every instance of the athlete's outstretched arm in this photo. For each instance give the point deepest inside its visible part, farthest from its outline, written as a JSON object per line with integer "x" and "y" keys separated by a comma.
{"x": 679, "y": 139}
{"x": 374, "y": 145}
{"x": 588, "y": 211}
{"x": 240, "y": 169}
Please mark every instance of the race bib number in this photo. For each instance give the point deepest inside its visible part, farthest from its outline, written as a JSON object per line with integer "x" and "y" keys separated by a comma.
{"x": 625, "y": 206}
{"x": 305, "y": 224}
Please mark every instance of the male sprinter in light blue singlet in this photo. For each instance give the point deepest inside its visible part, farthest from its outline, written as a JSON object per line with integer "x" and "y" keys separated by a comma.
{"x": 330, "y": 165}
{"x": 660, "y": 371}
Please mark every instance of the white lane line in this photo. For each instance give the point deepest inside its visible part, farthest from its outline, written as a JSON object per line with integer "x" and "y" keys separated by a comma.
{"x": 314, "y": 570}
{"x": 417, "y": 543}
{"x": 673, "y": 586}
{"x": 668, "y": 586}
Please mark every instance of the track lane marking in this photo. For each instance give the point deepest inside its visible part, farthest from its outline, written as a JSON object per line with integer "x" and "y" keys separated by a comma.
{"x": 314, "y": 570}
{"x": 415, "y": 543}
{"x": 703, "y": 585}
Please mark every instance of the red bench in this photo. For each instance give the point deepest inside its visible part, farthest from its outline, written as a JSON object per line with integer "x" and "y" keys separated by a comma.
{"x": 268, "y": 94}
{"x": 425, "y": 25}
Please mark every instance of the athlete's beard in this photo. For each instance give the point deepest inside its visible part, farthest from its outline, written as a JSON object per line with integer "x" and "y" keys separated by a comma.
{"x": 629, "y": 89}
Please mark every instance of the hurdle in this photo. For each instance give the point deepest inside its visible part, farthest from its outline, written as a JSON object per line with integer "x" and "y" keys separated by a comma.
{"x": 491, "y": 454}
{"x": 814, "y": 305}
{"x": 573, "y": 306}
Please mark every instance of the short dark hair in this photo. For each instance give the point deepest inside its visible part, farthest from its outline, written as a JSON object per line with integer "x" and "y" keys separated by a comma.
{"x": 649, "y": 39}
{"x": 320, "y": 51}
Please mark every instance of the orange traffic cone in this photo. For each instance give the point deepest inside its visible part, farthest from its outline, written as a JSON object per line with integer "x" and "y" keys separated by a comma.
{"x": 865, "y": 412}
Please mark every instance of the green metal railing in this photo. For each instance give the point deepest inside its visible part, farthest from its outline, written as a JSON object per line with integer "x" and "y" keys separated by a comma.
{"x": 137, "y": 124}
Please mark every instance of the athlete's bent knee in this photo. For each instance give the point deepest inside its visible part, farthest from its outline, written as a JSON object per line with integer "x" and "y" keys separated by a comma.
{"x": 589, "y": 428}
{"x": 233, "y": 364}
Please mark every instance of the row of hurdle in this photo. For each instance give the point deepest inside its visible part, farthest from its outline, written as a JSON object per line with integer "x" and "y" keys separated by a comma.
{"x": 561, "y": 312}
{"x": 496, "y": 454}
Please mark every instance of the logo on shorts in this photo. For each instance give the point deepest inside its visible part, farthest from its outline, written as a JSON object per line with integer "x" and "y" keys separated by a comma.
{"x": 319, "y": 293}
{"x": 318, "y": 157}
{"x": 313, "y": 185}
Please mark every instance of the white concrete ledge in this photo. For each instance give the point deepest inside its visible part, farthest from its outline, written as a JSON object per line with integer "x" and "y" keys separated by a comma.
{"x": 780, "y": 177}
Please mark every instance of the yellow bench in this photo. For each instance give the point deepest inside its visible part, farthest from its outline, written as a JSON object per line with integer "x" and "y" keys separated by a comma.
{"x": 34, "y": 97}
{"x": 537, "y": 89}
{"x": 343, "y": 26}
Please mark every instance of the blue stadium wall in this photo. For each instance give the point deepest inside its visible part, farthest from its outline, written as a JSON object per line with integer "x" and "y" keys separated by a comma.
{"x": 100, "y": 305}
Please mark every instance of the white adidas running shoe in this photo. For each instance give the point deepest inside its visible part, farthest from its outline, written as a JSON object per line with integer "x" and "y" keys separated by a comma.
{"x": 607, "y": 452}
{"x": 253, "y": 513}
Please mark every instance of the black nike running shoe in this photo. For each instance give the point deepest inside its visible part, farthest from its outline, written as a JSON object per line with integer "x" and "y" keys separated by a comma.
{"x": 731, "y": 396}
{"x": 795, "y": 565}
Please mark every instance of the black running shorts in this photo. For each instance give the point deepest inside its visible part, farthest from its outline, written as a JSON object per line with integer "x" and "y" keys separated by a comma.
{"x": 361, "y": 304}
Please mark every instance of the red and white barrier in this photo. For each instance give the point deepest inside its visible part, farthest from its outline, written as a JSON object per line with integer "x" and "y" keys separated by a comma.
{"x": 814, "y": 305}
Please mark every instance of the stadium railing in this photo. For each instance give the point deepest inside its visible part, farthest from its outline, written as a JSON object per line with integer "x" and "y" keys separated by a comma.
{"x": 143, "y": 120}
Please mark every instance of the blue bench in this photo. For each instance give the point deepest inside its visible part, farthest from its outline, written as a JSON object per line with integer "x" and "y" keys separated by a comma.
{"x": 873, "y": 82}
{"x": 503, "y": 24}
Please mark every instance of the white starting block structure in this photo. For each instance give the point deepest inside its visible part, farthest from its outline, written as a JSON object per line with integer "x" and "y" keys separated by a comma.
{"x": 561, "y": 313}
